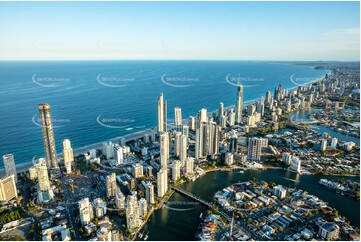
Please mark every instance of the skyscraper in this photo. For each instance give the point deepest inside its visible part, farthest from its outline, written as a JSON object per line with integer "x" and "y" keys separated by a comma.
{"x": 268, "y": 97}
{"x": 143, "y": 207}
{"x": 48, "y": 135}
{"x": 99, "y": 207}
{"x": 42, "y": 173}
{"x": 213, "y": 147}
{"x": 178, "y": 118}
{"x": 185, "y": 132}
{"x": 8, "y": 188}
{"x": 132, "y": 212}
{"x": 255, "y": 148}
{"x": 278, "y": 92}
{"x": 118, "y": 154}
{"x": 86, "y": 213}
{"x": 162, "y": 182}
{"x": 201, "y": 149}
{"x": 192, "y": 123}
{"x": 68, "y": 155}
{"x": 120, "y": 200}
{"x": 45, "y": 192}
{"x": 220, "y": 111}
{"x": 239, "y": 103}
{"x": 177, "y": 143}
{"x": 334, "y": 142}
{"x": 222, "y": 121}
{"x": 149, "y": 192}
{"x": 162, "y": 114}
{"x": 164, "y": 150}
{"x": 176, "y": 170}
{"x": 288, "y": 106}
{"x": 231, "y": 118}
{"x": 111, "y": 185}
{"x": 137, "y": 170}
{"x": 32, "y": 173}
{"x": 202, "y": 115}
{"x": 296, "y": 164}
{"x": 202, "y": 135}
{"x": 323, "y": 144}
{"x": 189, "y": 166}
{"x": 10, "y": 167}
{"x": 108, "y": 149}
{"x": 183, "y": 148}
{"x": 260, "y": 107}
{"x": 233, "y": 143}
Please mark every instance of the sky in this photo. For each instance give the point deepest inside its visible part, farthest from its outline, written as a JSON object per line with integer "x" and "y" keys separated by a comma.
{"x": 180, "y": 31}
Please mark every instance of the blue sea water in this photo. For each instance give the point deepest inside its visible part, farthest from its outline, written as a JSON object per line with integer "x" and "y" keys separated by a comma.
{"x": 122, "y": 95}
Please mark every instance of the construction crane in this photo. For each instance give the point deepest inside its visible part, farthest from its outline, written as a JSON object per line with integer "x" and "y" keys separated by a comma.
{"x": 72, "y": 187}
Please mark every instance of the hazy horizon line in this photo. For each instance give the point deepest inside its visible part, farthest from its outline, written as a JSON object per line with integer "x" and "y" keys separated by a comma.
{"x": 260, "y": 60}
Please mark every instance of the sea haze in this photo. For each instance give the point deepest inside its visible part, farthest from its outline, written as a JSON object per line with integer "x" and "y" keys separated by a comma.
{"x": 122, "y": 95}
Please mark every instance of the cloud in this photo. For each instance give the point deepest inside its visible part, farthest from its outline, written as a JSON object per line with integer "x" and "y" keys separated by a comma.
{"x": 349, "y": 31}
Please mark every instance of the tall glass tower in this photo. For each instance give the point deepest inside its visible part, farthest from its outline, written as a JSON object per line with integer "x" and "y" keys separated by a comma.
{"x": 162, "y": 114}
{"x": 48, "y": 135}
{"x": 239, "y": 103}
{"x": 10, "y": 167}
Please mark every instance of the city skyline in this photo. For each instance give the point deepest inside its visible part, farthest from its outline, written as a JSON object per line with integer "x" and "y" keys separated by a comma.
{"x": 180, "y": 121}
{"x": 218, "y": 144}
{"x": 193, "y": 31}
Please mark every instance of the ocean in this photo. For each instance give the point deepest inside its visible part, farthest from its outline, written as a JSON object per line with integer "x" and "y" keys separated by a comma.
{"x": 93, "y": 101}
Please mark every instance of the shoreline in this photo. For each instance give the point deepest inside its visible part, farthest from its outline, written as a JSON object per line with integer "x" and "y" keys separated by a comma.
{"x": 81, "y": 150}
{"x": 289, "y": 89}
{"x": 22, "y": 167}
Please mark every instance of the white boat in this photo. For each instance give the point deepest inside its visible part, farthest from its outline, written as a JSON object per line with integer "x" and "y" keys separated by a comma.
{"x": 200, "y": 216}
{"x": 241, "y": 172}
{"x": 145, "y": 235}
